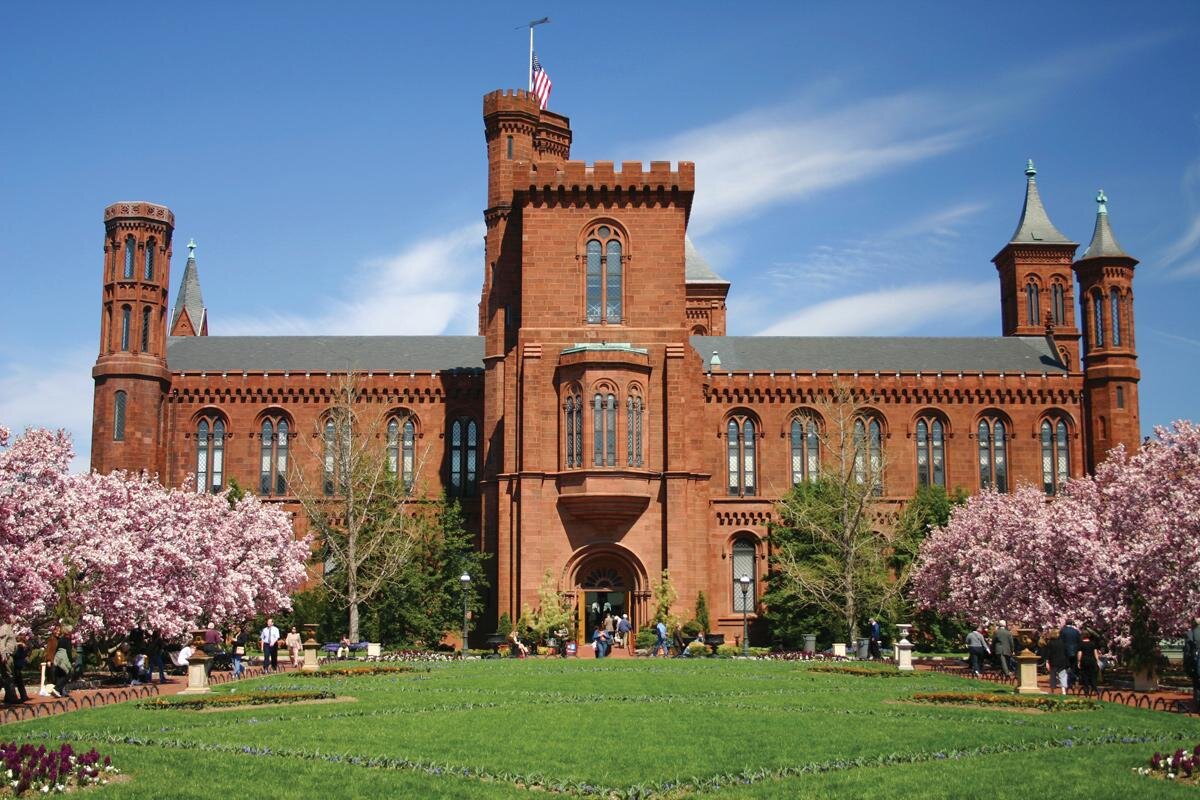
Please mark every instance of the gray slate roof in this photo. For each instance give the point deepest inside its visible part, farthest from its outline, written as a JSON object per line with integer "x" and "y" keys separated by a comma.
{"x": 879, "y": 354}
{"x": 696, "y": 269}
{"x": 1035, "y": 224}
{"x": 189, "y": 296}
{"x": 324, "y": 353}
{"x": 1104, "y": 242}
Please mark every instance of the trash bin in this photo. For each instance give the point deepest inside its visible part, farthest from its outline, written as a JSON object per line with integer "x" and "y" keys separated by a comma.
{"x": 864, "y": 649}
{"x": 810, "y": 643}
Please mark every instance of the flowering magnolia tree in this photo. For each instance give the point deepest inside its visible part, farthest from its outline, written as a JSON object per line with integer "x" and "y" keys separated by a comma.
{"x": 119, "y": 551}
{"x": 1127, "y": 538}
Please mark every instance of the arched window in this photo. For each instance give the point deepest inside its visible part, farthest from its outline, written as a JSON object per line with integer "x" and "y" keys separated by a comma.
{"x": 210, "y": 454}
{"x": 573, "y": 423}
{"x": 806, "y": 449}
{"x": 931, "y": 452}
{"x": 401, "y": 446}
{"x": 1058, "y": 298}
{"x": 130, "y": 254}
{"x": 149, "y": 271}
{"x": 634, "y": 408}
{"x": 336, "y": 432}
{"x": 273, "y": 449}
{"x": 1098, "y": 313}
{"x": 1115, "y": 316}
{"x": 868, "y": 453}
{"x": 1056, "y": 457}
{"x": 145, "y": 328}
{"x": 993, "y": 454}
{"x": 464, "y": 457}
{"x": 126, "y": 313}
{"x": 603, "y": 298}
{"x": 740, "y": 450}
{"x": 119, "y": 417}
{"x": 744, "y": 563}
{"x": 604, "y": 430}
{"x": 1031, "y": 303}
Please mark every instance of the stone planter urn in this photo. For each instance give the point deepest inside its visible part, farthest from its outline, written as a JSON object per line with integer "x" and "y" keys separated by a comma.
{"x": 1027, "y": 664}
{"x": 310, "y": 645}
{"x": 904, "y": 648}
{"x": 197, "y": 673}
{"x": 1145, "y": 680}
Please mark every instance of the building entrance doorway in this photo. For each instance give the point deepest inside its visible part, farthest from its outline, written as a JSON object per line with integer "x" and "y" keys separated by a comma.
{"x": 603, "y": 590}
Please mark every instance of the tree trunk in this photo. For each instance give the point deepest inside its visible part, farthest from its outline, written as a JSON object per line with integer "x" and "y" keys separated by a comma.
{"x": 353, "y": 621}
{"x": 352, "y": 585}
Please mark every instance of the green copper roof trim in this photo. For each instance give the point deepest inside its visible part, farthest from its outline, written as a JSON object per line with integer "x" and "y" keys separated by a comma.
{"x": 620, "y": 347}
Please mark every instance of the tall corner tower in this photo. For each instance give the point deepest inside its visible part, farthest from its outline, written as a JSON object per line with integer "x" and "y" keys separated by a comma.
{"x": 131, "y": 372}
{"x": 1036, "y": 287}
{"x": 1111, "y": 375}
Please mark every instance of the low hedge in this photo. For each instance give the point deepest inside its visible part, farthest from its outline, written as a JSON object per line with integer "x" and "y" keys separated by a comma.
{"x": 358, "y": 671}
{"x": 266, "y": 698}
{"x": 862, "y": 672}
{"x": 1045, "y": 702}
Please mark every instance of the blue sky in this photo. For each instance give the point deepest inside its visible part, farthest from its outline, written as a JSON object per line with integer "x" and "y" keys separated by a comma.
{"x": 856, "y": 170}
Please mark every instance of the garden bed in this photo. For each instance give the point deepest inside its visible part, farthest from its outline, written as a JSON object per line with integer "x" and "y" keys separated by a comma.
{"x": 236, "y": 700}
{"x": 36, "y": 770}
{"x": 1045, "y": 702}
{"x": 860, "y": 672}
{"x": 1182, "y": 766}
{"x": 358, "y": 671}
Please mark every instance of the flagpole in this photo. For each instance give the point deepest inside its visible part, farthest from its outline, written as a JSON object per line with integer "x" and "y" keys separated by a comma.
{"x": 530, "y": 73}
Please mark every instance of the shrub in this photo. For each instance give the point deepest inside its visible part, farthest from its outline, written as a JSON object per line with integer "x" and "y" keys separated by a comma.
{"x": 692, "y": 628}
{"x": 37, "y": 770}
{"x": 1046, "y": 702}
{"x": 266, "y": 698}
{"x": 646, "y": 638}
{"x": 697, "y": 649}
{"x": 504, "y": 624}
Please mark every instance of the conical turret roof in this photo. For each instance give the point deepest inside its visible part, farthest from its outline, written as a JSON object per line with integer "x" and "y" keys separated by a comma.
{"x": 1104, "y": 243}
{"x": 189, "y": 296}
{"x": 1035, "y": 226}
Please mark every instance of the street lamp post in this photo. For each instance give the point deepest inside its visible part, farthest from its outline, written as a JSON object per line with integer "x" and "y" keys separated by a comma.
{"x": 744, "y": 581}
{"x": 466, "y": 584}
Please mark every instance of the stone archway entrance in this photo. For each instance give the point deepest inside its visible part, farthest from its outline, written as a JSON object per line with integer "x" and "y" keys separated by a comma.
{"x": 607, "y": 579}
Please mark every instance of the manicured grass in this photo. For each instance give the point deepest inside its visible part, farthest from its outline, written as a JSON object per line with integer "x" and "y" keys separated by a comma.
{"x": 667, "y": 727}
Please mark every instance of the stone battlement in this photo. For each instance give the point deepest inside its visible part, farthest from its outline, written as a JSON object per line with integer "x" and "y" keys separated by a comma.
{"x": 573, "y": 175}
{"x": 139, "y": 209}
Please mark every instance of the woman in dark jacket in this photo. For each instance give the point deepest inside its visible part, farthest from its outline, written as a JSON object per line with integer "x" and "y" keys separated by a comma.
{"x": 1087, "y": 663}
{"x": 1057, "y": 663}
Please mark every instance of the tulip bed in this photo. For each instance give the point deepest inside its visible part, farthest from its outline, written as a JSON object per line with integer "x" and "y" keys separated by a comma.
{"x": 622, "y": 729}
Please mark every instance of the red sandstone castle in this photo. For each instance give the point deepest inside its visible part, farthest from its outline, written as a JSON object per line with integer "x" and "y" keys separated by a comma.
{"x": 602, "y": 425}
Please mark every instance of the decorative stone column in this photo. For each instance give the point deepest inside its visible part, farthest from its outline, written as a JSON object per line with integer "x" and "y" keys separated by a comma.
{"x": 903, "y": 649}
{"x": 1027, "y": 663}
{"x": 839, "y": 649}
{"x": 310, "y": 649}
{"x": 197, "y": 667}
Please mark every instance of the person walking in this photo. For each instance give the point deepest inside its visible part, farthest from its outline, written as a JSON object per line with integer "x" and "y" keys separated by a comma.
{"x": 977, "y": 650}
{"x": 875, "y": 640}
{"x": 8, "y": 651}
{"x": 660, "y": 630}
{"x": 236, "y": 643}
{"x": 269, "y": 639}
{"x": 624, "y": 631}
{"x": 1070, "y": 638}
{"x": 1002, "y": 647}
{"x": 1086, "y": 662}
{"x": 293, "y": 645}
{"x": 1057, "y": 663}
{"x": 157, "y": 649}
{"x": 1191, "y": 660}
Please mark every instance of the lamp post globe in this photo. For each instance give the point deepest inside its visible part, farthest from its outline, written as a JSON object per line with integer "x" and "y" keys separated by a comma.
{"x": 465, "y": 579}
{"x": 744, "y": 582}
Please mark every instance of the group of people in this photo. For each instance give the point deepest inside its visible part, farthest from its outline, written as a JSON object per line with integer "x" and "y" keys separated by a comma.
{"x": 612, "y": 632}
{"x": 1071, "y": 656}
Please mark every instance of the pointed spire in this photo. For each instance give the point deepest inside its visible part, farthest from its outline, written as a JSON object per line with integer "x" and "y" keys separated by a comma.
{"x": 190, "y": 298}
{"x": 1104, "y": 243}
{"x": 1035, "y": 225}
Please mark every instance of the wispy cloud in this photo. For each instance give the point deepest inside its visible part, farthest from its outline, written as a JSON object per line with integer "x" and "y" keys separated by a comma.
{"x": 888, "y": 312}
{"x": 430, "y": 287}
{"x": 1187, "y": 244}
{"x": 1173, "y": 337}
{"x": 52, "y": 391}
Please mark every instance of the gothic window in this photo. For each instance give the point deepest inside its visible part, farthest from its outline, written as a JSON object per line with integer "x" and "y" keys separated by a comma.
{"x": 744, "y": 563}
{"x": 634, "y": 408}
{"x": 604, "y": 430}
{"x": 145, "y": 328}
{"x": 573, "y": 423}
{"x": 931, "y": 452}
{"x": 126, "y": 313}
{"x": 149, "y": 270}
{"x": 210, "y": 454}
{"x": 401, "y": 444}
{"x": 993, "y": 454}
{"x": 868, "y": 453}
{"x": 1058, "y": 298}
{"x": 273, "y": 449}
{"x": 119, "y": 417}
{"x": 130, "y": 255}
{"x": 336, "y": 457}
{"x": 1056, "y": 457}
{"x": 509, "y": 144}
{"x": 739, "y": 433}
{"x": 1115, "y": 316}
{"x": 464, "y": 457}
{"x": 1120, "y": 397}
{"x": 806, "y": 449}
{"x": 604, "y": 269}
{"x": 1098, "y": 309}
{"x": 1031, "y": 303}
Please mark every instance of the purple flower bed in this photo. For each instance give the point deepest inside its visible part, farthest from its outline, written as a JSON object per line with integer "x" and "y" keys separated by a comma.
{"x": 37, "y": 770}
{"x": 1180, "y": 765}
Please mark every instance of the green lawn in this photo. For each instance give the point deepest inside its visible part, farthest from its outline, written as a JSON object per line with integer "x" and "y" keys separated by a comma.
{"x": 623, "y": 728}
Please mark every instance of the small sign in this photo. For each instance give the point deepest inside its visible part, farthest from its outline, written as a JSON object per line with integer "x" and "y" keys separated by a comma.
{"x": 571, "y": 649}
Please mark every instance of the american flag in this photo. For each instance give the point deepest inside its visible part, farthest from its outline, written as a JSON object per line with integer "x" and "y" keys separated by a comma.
{"x": 541, "y": 82}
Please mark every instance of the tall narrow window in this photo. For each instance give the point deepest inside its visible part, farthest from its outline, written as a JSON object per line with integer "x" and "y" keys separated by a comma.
{"x": 281, "y": 457}
{"x": 741, "y": 455}
{"x": 610, "y": 431}
{"x": 598, "y": 430}
{"x": 1115, "y": 316}
{"x": 149, "y": 265}
{"x": 578, "y": 431}
{"x": 1098, "y": 313}
{"x": 931, "y": 452}
{"x": 744, "y": 563}
{"x": 603, "y": 276}
{"x": 1120, "y": 397}
{"x": 119, "y": 417}
{"x": 569, "y": 427}
{"x": 595, "y": 277}
{"x": 464, "y": 457}
{"x": 1056, "y": 458}
{"x": 1031, "y": 303}
{"x": 210, "y": 454}
{"x": 868, "y": 453}
{"x": 633, "y": 430}
{"x": 509, "y": 145}
{"x": 218, "y": 456}
{"x": 993, "y": 455}
{"x": 126, "y": 312}
{"x": 401, "y": 446}
{"x": 604, "y": 430}
{"x": 202, "y": 445}
{"x": 329, "y": 435}
{"x": 266, "y": 461}
{"x": 805, "y": 449}
{"x": 612, "y": 283}
{"x": 145, "y": 328}
{"x": 273, "y": 453}
{"x": 1058, "y": 297}
{"x": 130, "y": 255}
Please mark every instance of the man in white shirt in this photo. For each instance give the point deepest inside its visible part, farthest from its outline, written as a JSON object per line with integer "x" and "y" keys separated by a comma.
{"x": 270, "y": 645}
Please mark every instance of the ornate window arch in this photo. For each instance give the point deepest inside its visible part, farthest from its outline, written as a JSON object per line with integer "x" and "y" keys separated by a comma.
{"x": 1054, "y": 435}
{"x": 573, "y": 427}
{"x": 1032, "y": 302}
{"x": 868, "y": 451}
{"x": 605, "y": 251}
{"x": 744, "y": 561}
{"x": 741, "y": 434}
{"x": 211, "y": 430}
{"x": 274, "y": 429}
{"x": 464, "y": 456}
{"x": 148, "y": 262}
{"x": 119, "y": 402}
{"x": 804, "y": 438}
{"x": 401, "y": 432}
{"x": 635, "y": 411}
{"x": 930, "y": 434}
{"x": 604, "y": 425}
{"x": 130, "y": 256}
{"x": 992, "y": 438}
